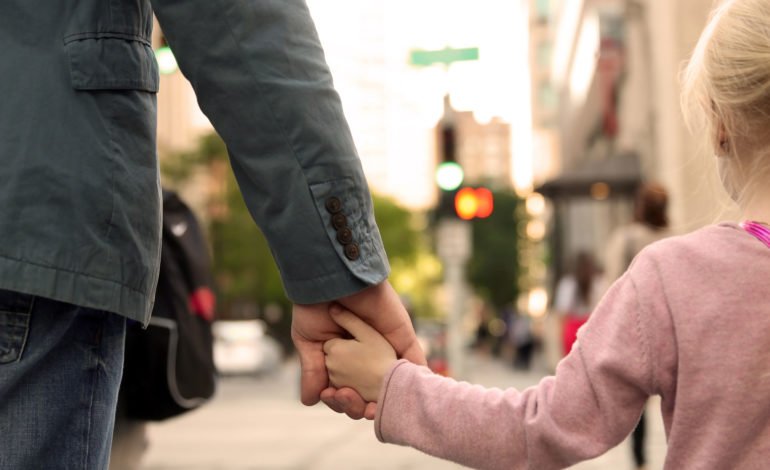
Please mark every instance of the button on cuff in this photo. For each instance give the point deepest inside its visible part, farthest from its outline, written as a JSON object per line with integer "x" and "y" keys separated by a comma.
{"x": 333, "y": 205}
{"x": 352, "y": 252}
{"x": 339, "y": 221}
{"x": 344, "y": 235}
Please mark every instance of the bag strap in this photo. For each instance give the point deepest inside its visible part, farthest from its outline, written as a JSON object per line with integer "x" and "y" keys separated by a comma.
{"x": 759, "y": 230}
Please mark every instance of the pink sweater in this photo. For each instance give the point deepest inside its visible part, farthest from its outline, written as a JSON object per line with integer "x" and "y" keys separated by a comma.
{"x": 689, "y": 321}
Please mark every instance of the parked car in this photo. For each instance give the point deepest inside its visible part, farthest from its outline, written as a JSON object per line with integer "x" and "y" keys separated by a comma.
{"x": 242, "y": 347}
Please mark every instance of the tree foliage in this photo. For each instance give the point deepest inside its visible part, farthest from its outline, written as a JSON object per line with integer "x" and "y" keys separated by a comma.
{"x": 243, "y": 265}
{"x": 401, "y": 241}
{"x": 246, "y": 276}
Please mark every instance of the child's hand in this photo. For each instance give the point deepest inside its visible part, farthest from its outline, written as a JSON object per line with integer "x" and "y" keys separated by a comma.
{"x": 359, "y": 363}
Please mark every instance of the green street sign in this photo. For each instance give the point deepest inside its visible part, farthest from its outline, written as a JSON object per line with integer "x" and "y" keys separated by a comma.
{"x": 446, "y": 56}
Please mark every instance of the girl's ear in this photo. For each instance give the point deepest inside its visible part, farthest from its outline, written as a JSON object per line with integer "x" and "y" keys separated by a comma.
{"x": 722, "y": 140}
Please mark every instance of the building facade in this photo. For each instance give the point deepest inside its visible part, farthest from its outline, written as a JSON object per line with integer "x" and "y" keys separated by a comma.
{"x": 613, "y": 77}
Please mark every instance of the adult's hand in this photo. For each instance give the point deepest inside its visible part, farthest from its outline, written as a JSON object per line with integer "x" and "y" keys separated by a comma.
{"x": 381, "y": 307}
{"x": 312, "y": 325}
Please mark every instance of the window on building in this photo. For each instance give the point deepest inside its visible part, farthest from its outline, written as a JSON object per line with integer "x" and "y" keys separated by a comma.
{"x": 543, "y": 9}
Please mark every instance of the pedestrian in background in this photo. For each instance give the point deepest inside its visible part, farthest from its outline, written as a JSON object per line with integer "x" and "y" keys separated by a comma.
{"x": 576, "y": 297}
{"x": 688, "y": 321}
{"x": 80, "y": 199}
{"x": 520, "y": 336}
{"x": 650, "y": 224}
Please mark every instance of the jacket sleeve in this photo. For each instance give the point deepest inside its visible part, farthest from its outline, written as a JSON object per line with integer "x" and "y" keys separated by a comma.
{"x": 589, "y": 406}
{"x": 260, "y": 76}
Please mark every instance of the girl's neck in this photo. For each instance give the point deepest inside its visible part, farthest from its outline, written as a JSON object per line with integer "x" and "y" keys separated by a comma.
{"x": 757, "y": 209}
{"x": 755, "y": 198}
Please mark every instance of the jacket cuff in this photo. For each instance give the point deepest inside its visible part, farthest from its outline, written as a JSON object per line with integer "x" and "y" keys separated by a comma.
{"x": 353, "y": 252}
{"x": 330, "y": 287}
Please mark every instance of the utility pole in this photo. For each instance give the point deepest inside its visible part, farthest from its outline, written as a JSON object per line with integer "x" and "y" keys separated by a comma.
{"x": 453, "y": 235}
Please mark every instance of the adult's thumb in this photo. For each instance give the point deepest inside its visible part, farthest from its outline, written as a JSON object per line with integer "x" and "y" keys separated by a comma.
{"x": 314, "y": 377}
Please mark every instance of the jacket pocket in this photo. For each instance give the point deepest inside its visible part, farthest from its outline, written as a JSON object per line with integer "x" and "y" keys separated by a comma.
{"x": 15, "y": 313}
{"x": 107, "y": 61}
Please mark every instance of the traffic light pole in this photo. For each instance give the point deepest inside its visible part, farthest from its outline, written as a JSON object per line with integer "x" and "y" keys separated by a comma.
{"x": 453, "y": 235}
{"x": 454, "y": 249}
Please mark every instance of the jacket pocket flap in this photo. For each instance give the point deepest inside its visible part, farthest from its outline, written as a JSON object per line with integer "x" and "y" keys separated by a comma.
{"x": 112, "y": 63}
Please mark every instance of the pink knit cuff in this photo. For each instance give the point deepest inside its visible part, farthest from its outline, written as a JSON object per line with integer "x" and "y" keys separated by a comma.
{"x": 382, "y": 399}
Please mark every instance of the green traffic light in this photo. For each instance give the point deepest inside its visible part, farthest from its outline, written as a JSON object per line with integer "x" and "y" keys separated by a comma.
{"x": 166, "y": 60}
{"x": 449, "y": 176}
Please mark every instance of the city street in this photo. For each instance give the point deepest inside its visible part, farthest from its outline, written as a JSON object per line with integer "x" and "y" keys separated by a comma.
{"x": 258, "y": 423}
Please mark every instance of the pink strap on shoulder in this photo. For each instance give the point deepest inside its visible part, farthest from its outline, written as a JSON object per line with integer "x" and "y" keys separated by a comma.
{"x": 759, "y": 230}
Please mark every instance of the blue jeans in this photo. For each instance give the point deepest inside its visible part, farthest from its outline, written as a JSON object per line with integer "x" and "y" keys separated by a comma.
{"x": 60, "y": 369}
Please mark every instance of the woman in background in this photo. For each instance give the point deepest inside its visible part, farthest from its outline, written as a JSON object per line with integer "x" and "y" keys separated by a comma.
{"x": 576, "y": 296}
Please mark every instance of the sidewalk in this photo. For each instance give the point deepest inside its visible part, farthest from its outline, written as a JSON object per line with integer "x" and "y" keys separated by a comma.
{"x": 258, "y": 423}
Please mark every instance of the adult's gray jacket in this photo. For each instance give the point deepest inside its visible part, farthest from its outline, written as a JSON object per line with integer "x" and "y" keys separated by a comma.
{"x": 79, "y": 185}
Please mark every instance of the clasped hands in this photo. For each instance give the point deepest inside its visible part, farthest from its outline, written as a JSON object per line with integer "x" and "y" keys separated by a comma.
{"x": 358, "y": 348}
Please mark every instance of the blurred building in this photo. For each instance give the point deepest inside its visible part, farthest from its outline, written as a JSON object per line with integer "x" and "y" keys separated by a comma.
{"x": 388, "y": 127}
{"x": 359, "y": 67}
{"x": 391, "y": 105}
{"x": 484, "y": 150}
{"x": 181, "y": 124}
{"x": 606, "y": 114}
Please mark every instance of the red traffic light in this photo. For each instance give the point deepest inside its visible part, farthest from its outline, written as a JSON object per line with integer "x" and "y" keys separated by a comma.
{"x": 473, "y": 203}
{"x": 466, "y": 204}
{"x": 485, "y": 202}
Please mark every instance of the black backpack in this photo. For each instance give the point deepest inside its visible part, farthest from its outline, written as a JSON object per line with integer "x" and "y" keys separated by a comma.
{"x": 169, "y": 367}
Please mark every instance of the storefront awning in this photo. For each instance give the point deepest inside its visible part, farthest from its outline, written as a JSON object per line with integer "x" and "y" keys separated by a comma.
{"x": 615, "y": 176}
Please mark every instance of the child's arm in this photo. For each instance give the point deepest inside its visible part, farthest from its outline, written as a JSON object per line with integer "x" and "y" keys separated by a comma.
{"x": 591, "y": 405}
{"x": 360, "y": 363}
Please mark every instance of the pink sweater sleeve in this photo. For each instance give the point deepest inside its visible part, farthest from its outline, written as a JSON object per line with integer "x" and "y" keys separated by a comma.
{"x": 590, "y": 405}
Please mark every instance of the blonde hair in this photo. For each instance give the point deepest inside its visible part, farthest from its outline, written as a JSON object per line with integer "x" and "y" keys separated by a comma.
{"x": 727, "y": 80}
{"x": 727, "y": 83}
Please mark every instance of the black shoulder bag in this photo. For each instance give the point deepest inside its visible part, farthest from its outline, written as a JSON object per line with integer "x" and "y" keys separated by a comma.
{"x": 169, "y": 367}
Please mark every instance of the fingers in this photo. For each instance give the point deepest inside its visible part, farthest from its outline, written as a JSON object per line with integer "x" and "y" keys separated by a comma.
{"x": 327, "y": 397}
{"x": 351, "y": 402}
{"x": 331, "y": 344}
{"x": 348, "y": 401}
{"x": 404, "y": 341}
{"x": 314, "y": 376}
{"x": 381, "y": 307}
{"x": 353, "y": 324}
{"x": 371, "y": 411}
{"x": 415, "y": 354}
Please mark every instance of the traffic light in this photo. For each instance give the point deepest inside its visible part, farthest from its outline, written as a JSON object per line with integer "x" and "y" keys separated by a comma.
{"x": 448, "y": 139}
{"x": 449, "y": 174}
{"x": 466, "y": 203}
{"x": 473, "y": 203}
{"x": 486, "y": 203}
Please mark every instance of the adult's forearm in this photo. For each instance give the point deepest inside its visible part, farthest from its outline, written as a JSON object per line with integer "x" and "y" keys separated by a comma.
{"x": 259, "y": 73}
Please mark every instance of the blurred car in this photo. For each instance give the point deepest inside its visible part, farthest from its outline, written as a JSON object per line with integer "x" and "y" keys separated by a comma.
{"x": 242, "y": 347}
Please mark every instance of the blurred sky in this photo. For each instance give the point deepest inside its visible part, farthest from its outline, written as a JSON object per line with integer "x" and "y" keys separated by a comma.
{"x": 392, "y": 106}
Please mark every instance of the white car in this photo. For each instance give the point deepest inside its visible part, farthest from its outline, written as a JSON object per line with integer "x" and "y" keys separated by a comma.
{"x": 242, "y": 347}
